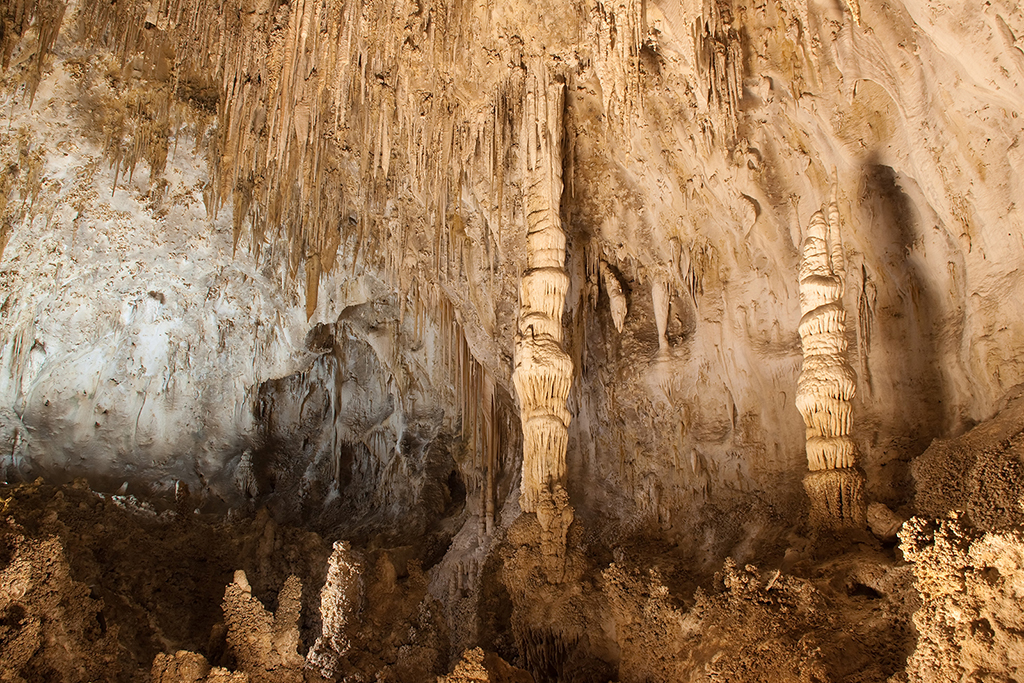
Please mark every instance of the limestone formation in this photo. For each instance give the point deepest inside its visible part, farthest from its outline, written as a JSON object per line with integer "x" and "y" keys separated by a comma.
{"x": 854, "y": 7}
{"x": 970, "y": 602}
{"x": 403, "y": 276}
{"x": 265, "y": 644}
{"x": 883, "y": 522}
{"x": 245, "y": 476}
{"x": 827, "y": 383}
{"x": 190, "y": 667}
{"x": 349, "y": 165}
{"x": 339, "y": 606}
{"x": 616, "y": 297}
{"x": 660, "y": 299}
{"x": 543, "y": 371}
{"x": 50, "y": 620}
{"x": 477, "y": 666}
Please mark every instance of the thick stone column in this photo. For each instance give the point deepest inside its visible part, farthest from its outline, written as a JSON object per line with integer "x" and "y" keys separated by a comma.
{"x": 827, "y": 382}
{"x": 543, "y": 371}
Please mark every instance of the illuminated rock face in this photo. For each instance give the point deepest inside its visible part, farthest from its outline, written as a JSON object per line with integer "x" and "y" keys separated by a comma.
{"x": 543, "y": 372}
{"x": 827, "y": 382}
{"x": 191, "y": 186}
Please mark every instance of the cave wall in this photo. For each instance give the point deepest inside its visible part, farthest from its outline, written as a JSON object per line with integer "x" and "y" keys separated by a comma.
{"x": 192, "y": 188}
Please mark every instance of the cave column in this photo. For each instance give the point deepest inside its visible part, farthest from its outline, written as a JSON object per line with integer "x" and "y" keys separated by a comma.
{"x": 827, "y": 382}
{"x": 543, "y": 370}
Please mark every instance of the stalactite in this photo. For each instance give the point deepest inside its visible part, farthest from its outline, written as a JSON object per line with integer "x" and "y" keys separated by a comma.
{"x": 17, "y": 17}
{"x": 313, "y": 108}
{"x": 827, "y": 383}
{"x": 719, "y": 61}
{"x": 867, "y": 297}
{"x": 543, "y": 371}
{"x": 660, "y": 299}
{"x": 475, "y": 396}
{"x": 545, "y": 651}
{"x": 619, "y": 31}
{"x": 616, "y": 297}
{"x": 292, "y": 88}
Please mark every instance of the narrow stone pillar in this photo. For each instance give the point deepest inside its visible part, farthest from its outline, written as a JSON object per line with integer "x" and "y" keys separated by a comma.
{"x": 827, "y": 381}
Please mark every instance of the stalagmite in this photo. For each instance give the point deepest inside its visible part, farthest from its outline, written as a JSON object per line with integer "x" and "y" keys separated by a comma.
{"x": 264, "y": 644}
{"x": 543, "y": 371}
{"x": 339, "y": 605}
{"x": 827, "y": 382}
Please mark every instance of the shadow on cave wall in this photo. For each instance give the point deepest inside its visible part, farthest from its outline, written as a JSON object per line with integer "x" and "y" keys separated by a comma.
{"x": 338, "y": 454}
{"x": 900, "y": 323}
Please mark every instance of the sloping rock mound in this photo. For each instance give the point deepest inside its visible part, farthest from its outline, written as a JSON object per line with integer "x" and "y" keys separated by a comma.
{"x": 980, "y": 473}
{"x": 971, "y": 624}
{"x": 477, "y": 666}
{"x": 190, "y": 667}
{"x": 848, "y": 624}
{"x": 51, "y": 627}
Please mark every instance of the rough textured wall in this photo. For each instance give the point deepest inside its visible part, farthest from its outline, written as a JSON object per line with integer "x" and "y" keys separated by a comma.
{"x": 276, "y": 165}
{"x": 745, "y": 110}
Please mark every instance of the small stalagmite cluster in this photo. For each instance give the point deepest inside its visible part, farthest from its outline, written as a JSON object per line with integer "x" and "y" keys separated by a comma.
{"x": 827, "y": 382}
{"x": 265, "y": 644}
{"x": 543, "y": 370}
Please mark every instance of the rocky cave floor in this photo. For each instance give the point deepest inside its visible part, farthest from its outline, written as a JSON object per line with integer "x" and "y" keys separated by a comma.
{"x": 100, "y": 586}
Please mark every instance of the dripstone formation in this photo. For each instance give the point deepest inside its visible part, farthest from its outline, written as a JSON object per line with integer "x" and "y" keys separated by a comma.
{"x": 543, "y": 372}
{"x": 827, "y": 382}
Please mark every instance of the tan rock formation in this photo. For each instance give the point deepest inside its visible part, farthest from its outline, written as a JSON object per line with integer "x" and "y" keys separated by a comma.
{"x": 543, "y": 371}
{"x": 264, "y": 643}
{"x": 616, "y": 297}
{"x": 827, "y": 382}
{"x": 969, "y": 583}
{"x": 212, "y": 213}
{"x": 883, "y": 522}
{"x": 190, "y": 667}
{"x": 339, "y": 603}
{"x": 854, "y": 7}
{"x": 477, "y": 666}
{"x": 660, "y": 299}
{"x": 48, "y": 620}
